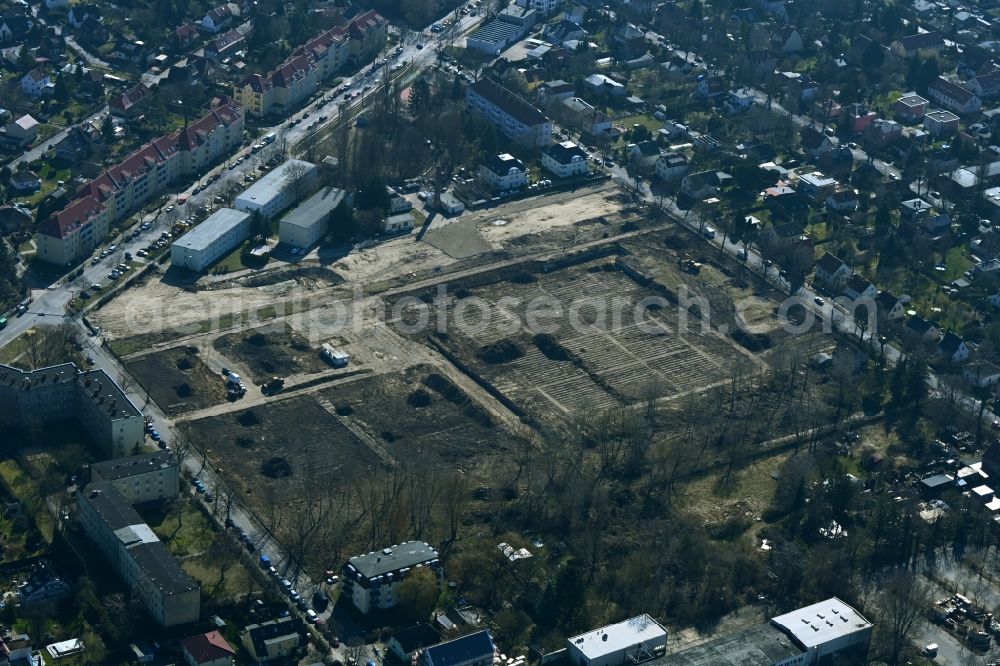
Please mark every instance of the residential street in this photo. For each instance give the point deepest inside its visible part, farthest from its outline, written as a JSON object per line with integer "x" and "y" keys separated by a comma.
{"x": 40, "y": 149}
{"x": 48, "y": 306}
{"x": 761, "y": 99}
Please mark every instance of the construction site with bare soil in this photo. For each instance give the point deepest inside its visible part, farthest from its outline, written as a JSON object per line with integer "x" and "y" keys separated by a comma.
{"x": 448, "y": 368}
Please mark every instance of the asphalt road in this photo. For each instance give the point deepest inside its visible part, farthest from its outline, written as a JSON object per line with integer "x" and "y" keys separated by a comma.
{"x": 38, "y": 150}
{"x": 49, "y": 305}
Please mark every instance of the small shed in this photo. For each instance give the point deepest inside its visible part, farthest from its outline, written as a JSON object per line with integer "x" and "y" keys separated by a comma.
{"x": 932, "y": 486}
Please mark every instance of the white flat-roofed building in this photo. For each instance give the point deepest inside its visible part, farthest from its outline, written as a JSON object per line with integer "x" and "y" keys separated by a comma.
{"x": 632, "y": 641}
{"x": 816, "y": 186}
{"x": 310, "y": 221}
{"x": 826, "y": 628}
{"x": 279, "y": 189}
{"x": 211, "y": 240}
{"x": 371, "y": 580}
{"x": 983, "y": 493}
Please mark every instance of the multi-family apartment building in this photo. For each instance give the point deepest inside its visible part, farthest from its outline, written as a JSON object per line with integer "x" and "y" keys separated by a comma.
{"x": 146, "y": 477}
{"x": 70, "y": 234}
{"x": 370, "y": 581}
{"x": 273, "y": 640}
{"x": 543, "y": 7}
{"x": 509, "y": 112}
{"x": 317, "y": 60}
{"x": 67, "y": 236}
{"x": 503, "y": 173}
{"x": 153, "y": 575}
{"x": 953, "y": 97}
{"x": 62, "y": 393}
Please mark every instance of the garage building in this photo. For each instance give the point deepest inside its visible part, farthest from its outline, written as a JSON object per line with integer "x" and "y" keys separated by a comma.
{"x": 211, "y": 240}
{"x": 279, "y": 189}
{"x": 632, "y": 641}
{"x": 310, "y": 221}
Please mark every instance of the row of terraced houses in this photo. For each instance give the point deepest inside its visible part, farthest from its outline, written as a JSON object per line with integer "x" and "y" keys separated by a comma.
{"x": 300, "y": 76}
{"x": 70, "y": 235}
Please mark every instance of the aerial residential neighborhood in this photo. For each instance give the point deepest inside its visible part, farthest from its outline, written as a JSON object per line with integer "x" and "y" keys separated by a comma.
{"x": 499, "y": 332}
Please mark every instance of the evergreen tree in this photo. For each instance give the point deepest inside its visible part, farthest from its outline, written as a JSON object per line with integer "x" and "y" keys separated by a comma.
{"x": 25, "y": 59}
{"x": 108, "y": 130}
{"x": 420, "y": 93}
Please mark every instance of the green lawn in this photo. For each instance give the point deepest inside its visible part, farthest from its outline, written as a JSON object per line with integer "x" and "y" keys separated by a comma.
{"x": 45, "y": 131}
{"x": 185, "y": 530}
{"x": 206, "y": 571}
{"x": 24, "y": 488}
{"x": 820, "y": 231}
{"x": 958, "y": 262}
{"x": 48, "y": 172}
{"x": 12, "y": 349}
{"x": 233, "y": 262}
{"x": 647, "y": 121}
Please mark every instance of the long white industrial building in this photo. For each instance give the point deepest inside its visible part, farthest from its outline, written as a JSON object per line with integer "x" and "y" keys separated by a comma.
{"x": 279, "y": 189}
{"x": 211, "y": 240}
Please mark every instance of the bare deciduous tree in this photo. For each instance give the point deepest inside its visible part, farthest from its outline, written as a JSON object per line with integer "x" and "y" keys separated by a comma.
{"x": 900, "y": 605}
{"x": 455, "y": 497}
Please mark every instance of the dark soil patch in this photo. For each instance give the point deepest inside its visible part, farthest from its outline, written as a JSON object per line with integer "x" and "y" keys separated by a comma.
{"x": 276, "y": 467}
{"x": 312, "y": 442}
{"x": 248, "y": 419}
{"x": 550, "y": 347}
{"x": 448, "y": 427}
{"x": 419, "y": 398}
{"x": 443, "y": 385}
{"x": 755, "y": 342}
{"x": 503, "y": 351}
{"x": 178, "y": 381}
{"x": 272, "y": 350}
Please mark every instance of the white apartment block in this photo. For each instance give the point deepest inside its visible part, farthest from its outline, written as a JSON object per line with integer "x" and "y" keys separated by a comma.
{"x": 565, "y": 159}
{"x": 543, "y": 7}
{"x": 371, "y": 581}
{"x": 63, "y": 392}
{"x": 503, "y": 173}
{"x": 74, "y": 232}
{"x": 508, "y": 112}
